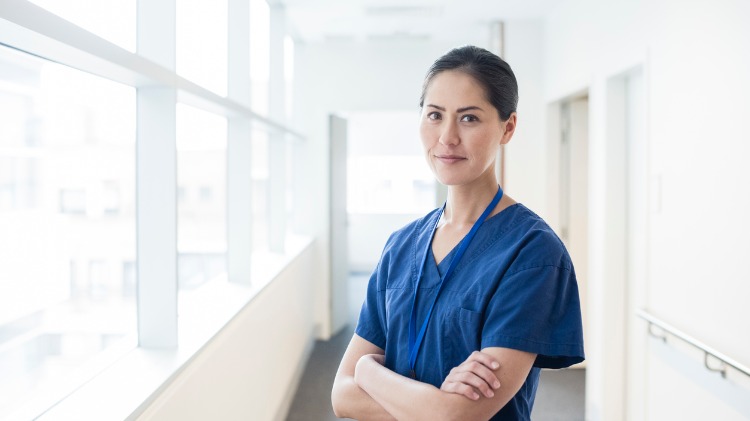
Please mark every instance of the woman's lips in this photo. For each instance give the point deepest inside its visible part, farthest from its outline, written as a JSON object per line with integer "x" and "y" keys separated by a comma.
{"x": 449, "y": 159}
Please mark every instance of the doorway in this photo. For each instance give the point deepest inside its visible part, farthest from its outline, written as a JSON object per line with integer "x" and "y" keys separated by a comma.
{"x": 569, "y": 186}
{"x": 616, "y": 338}
{"x": 388, "y": 185}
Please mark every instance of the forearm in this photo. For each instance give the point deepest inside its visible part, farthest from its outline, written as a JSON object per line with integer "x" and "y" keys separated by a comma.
{"x": 408, "y": 399}
{"x": 403, "y": 397}
{"x": 350, "y": 401}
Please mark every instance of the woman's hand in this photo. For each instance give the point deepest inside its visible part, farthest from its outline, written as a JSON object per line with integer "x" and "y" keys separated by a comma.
{"x": 476, "y": 374}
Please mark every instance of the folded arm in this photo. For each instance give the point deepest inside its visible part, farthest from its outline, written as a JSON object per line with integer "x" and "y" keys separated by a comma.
{"x": 409, "y": 399}
{"x": 366, "y": 390}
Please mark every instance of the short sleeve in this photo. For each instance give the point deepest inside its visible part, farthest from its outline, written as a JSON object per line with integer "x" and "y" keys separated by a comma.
{"x": 537, "y": 310}
{"x": 371, "y": 323}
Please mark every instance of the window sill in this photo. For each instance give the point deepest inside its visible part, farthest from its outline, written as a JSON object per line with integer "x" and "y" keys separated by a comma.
{"x": 127, "y": 386}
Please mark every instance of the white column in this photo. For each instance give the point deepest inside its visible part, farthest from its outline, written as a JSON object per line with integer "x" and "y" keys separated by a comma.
{"x": 277, "y": 217}
{"x": 239, "y": 151}
{"x": 156, "y": 183}
{"x": 497, "y": 46}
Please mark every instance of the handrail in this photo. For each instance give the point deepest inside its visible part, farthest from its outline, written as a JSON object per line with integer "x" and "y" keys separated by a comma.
{"x": 53, "y": 38}
{"x": 707, "y": 350}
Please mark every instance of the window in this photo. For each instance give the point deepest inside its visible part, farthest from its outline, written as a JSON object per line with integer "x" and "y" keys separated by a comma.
{"x": 288, "y": 75}
{"x": 387, "y": 172}
{"x": 389, "y": 184}
{"x": 260, "y": 194}
{"x": 67, "y": 223}
{"x": 260, "y": 54}
{"x": 201, "y": 210}
{"x": 113, "y": 20}
{"x": 68, "y": 164}
{"x": 202, "y": 43}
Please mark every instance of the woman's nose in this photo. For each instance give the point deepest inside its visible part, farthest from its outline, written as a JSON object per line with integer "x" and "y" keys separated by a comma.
{"x": 449, "y": 134}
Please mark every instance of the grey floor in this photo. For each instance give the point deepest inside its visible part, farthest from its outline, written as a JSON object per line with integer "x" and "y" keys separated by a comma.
{"x": 560, "y": 396}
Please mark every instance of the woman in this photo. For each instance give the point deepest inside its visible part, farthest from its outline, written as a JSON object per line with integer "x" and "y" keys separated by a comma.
{"x": 468, "y": 303}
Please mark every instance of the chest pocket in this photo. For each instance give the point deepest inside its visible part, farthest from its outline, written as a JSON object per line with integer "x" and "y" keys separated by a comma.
{"x": 461, "y": 334}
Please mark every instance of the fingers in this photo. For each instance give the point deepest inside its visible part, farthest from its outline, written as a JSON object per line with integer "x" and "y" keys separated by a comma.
{"x": 476, "y": 381}
{"x": 484, "y": 359}
{"x": 473, "y": 376}
{"x": 482, "y": 372}
{"x": 460, "y": 389}
{"x": 483, "y": 366}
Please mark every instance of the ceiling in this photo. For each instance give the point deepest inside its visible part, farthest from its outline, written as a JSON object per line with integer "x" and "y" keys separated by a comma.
{"x": 327, "y": 20}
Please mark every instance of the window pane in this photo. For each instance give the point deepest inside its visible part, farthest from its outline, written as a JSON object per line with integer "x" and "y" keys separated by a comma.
{"x": 67, "y": 224}
{"x": 288, "y": 76}
{"x": 289, "y": 188}
{"x": 201, "y": 206}
{"x": 386, "y": 168}
{"x": 113, "y": 20}
{"x": 202, "y": 43}
{"x": 259, "y": 168}
{"x": 389, "y": 184}
{"x": 260, "y": 54}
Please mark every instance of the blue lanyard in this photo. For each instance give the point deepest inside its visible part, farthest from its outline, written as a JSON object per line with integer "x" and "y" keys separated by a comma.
{"x": 415, "y": 341}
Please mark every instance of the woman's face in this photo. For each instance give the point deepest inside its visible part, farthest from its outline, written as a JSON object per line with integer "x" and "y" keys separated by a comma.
{"x": 460, "y": 130}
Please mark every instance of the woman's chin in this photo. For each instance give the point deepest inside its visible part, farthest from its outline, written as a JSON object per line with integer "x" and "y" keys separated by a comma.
{"x": 454, "y": 180}
{"x": 451, "y": 181}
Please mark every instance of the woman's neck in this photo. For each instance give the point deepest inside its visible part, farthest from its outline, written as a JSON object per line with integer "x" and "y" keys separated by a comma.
{"x": 466, "y": 203}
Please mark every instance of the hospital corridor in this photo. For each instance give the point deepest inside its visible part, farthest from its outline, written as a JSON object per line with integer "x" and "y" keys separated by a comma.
{"x": 202, "y": 201}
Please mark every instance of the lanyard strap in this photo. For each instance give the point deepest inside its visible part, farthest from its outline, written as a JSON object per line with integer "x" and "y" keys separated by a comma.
{"x": 415, "y": 341}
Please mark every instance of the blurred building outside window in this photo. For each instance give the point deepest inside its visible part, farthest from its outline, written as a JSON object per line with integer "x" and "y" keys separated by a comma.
{"x": 67, "y": 224}
{"x": 201, "y": 209}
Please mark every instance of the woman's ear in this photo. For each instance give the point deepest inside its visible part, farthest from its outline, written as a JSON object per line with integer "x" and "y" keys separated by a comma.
{"x": 508, "y": 127}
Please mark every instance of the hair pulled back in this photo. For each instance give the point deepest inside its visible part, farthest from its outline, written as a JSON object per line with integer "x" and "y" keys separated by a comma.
{"x": 489, "y": 70}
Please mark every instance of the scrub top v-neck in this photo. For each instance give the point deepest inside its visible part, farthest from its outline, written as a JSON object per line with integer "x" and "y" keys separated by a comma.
{"x": 514, "y": 287}
{"x": 417, "y": 332}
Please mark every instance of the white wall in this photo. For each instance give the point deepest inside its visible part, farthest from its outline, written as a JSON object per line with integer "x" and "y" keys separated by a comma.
{"x": 250, "y": 370}
{"x": 367, "y": 236}
{"x": 695, "y": 62}
{"x": 526, "y": 158}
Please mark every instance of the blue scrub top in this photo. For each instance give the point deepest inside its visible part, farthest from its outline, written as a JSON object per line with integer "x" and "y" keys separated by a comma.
{"x": 514, "y": 288}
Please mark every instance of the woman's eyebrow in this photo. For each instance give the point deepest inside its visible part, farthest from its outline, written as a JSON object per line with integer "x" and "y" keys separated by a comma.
{"x": 471, "y": 107}
{"x": 460, "y": 110}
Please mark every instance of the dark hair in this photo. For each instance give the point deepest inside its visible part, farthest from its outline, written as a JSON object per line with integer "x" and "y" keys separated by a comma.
{"x": 492, "y": 73}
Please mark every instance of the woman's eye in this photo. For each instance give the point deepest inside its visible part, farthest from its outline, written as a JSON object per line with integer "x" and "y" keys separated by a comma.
{"x": 433, "y": 116}
{"x": 469, "y": 118}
